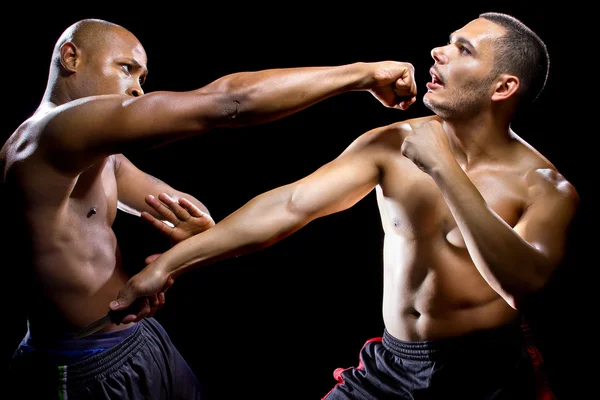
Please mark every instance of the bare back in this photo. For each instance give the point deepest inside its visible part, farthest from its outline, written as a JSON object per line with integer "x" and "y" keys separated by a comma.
{"x": 432, "y": 288}
{"x": 71, "y": 264}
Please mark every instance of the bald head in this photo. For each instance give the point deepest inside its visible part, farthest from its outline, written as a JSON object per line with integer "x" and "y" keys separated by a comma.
{"x": 96, "y": 57}
{"x": 90, "y": 35}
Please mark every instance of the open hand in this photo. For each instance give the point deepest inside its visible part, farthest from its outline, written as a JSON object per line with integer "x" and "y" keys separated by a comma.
{"x": 180, "y": 219}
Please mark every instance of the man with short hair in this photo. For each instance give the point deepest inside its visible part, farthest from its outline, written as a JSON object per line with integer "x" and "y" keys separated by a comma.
{"x": 475, "y": 222}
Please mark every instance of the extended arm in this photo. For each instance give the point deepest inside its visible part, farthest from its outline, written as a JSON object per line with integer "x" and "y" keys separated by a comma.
{"x": 267, "y": 218}
{"x": 515, "y": 261}
{"x": 87, "y": 129}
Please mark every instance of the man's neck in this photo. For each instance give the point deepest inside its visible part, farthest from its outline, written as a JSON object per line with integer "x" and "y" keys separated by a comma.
{"x": 477, "y": 139}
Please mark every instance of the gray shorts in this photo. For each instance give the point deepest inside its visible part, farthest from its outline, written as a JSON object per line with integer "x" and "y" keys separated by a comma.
{"x": 499, "y": 364}
{"x": 145, "y": 365}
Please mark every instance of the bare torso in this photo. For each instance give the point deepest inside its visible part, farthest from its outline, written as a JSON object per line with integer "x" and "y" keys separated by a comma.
{"x": 72, "y": 268}
{"x": 432, "y": 288}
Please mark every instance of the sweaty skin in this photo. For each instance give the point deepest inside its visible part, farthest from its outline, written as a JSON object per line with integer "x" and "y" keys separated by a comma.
{"x": 65, "y": 177}
{"x": 475, "y": 219}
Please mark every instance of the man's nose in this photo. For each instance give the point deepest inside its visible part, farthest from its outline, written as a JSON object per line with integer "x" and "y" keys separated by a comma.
{"x": 135, "y": 92}
{"x": 438, "y": 55}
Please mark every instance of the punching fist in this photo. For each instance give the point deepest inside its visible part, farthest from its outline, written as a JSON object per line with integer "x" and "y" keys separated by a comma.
{"x": 427, "y": 145}
{"x": 393, "y": 83}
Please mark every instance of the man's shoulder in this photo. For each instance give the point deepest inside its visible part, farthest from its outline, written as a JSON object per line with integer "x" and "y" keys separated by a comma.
{"x": 426, "y": 118}
{"x": 22, "y": 145}
{"x": 403, "y": 127}
{"x": 542, "y": 174}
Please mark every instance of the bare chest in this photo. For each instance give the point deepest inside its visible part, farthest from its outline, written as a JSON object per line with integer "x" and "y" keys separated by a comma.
{"x": 94, "y": 195}
{"x": 412, "y": 205}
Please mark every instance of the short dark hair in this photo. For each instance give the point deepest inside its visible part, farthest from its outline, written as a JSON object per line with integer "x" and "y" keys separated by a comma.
{"x": 523, "y": 53}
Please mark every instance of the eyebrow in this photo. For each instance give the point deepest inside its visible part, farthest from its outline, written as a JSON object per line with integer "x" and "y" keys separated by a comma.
{"x": 138, "y": 65}
{"x": 462, "y": 40}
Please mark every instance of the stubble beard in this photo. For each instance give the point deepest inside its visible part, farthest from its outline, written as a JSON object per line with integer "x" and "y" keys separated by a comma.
{"x": 463, "y": 103}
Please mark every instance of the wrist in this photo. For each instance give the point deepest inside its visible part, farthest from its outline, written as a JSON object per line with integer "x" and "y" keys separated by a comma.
{"x": 443, "y": 170}
{"x": 357, "y": 76}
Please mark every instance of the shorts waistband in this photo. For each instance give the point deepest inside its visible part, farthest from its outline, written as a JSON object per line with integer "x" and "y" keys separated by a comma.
{"x": 106, "y": 361}
{"x": 498, "y": 339}
{"x": 67, "y": 341}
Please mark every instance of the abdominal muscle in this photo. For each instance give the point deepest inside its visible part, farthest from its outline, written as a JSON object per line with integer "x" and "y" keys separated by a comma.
{"x": 432, "y": 290}
{"x": 76, "y": 282}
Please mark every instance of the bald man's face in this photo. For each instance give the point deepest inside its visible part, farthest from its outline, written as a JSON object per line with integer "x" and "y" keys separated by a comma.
{"x": 116, "y": 66}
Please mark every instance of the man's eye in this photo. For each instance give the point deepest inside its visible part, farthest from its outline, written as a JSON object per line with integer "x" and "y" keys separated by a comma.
{"x": 127, "y": 68}
{"x": 464, "y": 50}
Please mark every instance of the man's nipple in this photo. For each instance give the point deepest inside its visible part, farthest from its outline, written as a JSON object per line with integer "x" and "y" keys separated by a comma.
{"x": 92, "y": 211}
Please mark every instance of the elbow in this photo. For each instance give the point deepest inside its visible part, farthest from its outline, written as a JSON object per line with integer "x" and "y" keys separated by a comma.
{"x": 232, "y": 97}
{"x": 517, "y": 300}
{"x": 518, "y": 296}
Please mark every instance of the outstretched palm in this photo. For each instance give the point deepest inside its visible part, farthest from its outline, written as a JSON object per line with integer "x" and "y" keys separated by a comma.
{"x": 180, "y": 219}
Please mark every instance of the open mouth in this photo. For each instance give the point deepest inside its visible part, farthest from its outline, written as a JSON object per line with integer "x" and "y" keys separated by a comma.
{"x": 435, "y": 79}
{"x": 435, "y": 82}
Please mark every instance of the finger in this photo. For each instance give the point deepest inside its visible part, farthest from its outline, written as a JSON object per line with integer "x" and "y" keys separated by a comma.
{"x": 152, "y": 258}
{"x": 405, "y": 88}
{"x": 154, "y": 304}
{"x": 138, "y": 311}
{"x": 407, "y": 103}
{"x": 124, "y": 299}
{"x": 161, "y": 225}
{"x": 144, "y": 310}
{"x": 168, "y": 284}
{"x": 163, "y": 208}
{"x": 191, "y": 208}
{"x": 161, "y": 301}
{"x": 174, "y": 208}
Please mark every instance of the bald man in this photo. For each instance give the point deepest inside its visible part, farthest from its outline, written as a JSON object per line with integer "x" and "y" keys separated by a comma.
{"x": 66, "y": 177}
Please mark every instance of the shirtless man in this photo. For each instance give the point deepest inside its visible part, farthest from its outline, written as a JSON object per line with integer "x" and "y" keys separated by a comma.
{"x": 475, "y": 221}
{"x": 65, "y": 177}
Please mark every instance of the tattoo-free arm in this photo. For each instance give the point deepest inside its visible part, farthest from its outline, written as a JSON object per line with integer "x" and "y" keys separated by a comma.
{"x": 266, "y": 219}
{"x": 133, "y": 185}
{"x": 514, "y": 261}
{"x": 276, "y": 214}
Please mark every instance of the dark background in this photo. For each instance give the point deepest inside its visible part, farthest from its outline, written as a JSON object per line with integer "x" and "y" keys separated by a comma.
{"x": 275, "y": 324}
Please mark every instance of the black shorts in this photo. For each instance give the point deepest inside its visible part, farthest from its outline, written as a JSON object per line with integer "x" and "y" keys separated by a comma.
{"x": 495, "y": 364}
{"x": 145, "y": 365}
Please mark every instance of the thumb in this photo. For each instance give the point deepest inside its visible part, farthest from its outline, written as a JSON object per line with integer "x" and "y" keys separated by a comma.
{"x": 124, "y": 300}
{"x": 151, "y": 258}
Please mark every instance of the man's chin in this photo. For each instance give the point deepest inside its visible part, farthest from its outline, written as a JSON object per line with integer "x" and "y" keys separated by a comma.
{"x": 427, "y": 101}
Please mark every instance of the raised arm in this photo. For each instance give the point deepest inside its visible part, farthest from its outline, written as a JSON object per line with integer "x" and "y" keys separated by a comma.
{"x": 268, "y": 217}
{"x": 514, "y": 261}
{"x": 84, "y": 130}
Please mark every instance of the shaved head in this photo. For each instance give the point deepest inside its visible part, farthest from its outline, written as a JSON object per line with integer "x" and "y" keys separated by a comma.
{"x": 89, "y": 35}
{"x": 96, "y": 57}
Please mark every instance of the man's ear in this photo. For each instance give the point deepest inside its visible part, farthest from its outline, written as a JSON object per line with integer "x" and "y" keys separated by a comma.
{"x": 506, "y": 86}
{"x": 69, "y": 56}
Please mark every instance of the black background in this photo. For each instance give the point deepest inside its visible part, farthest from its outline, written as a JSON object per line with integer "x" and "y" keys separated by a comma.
{"x": 275, "y": 324}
